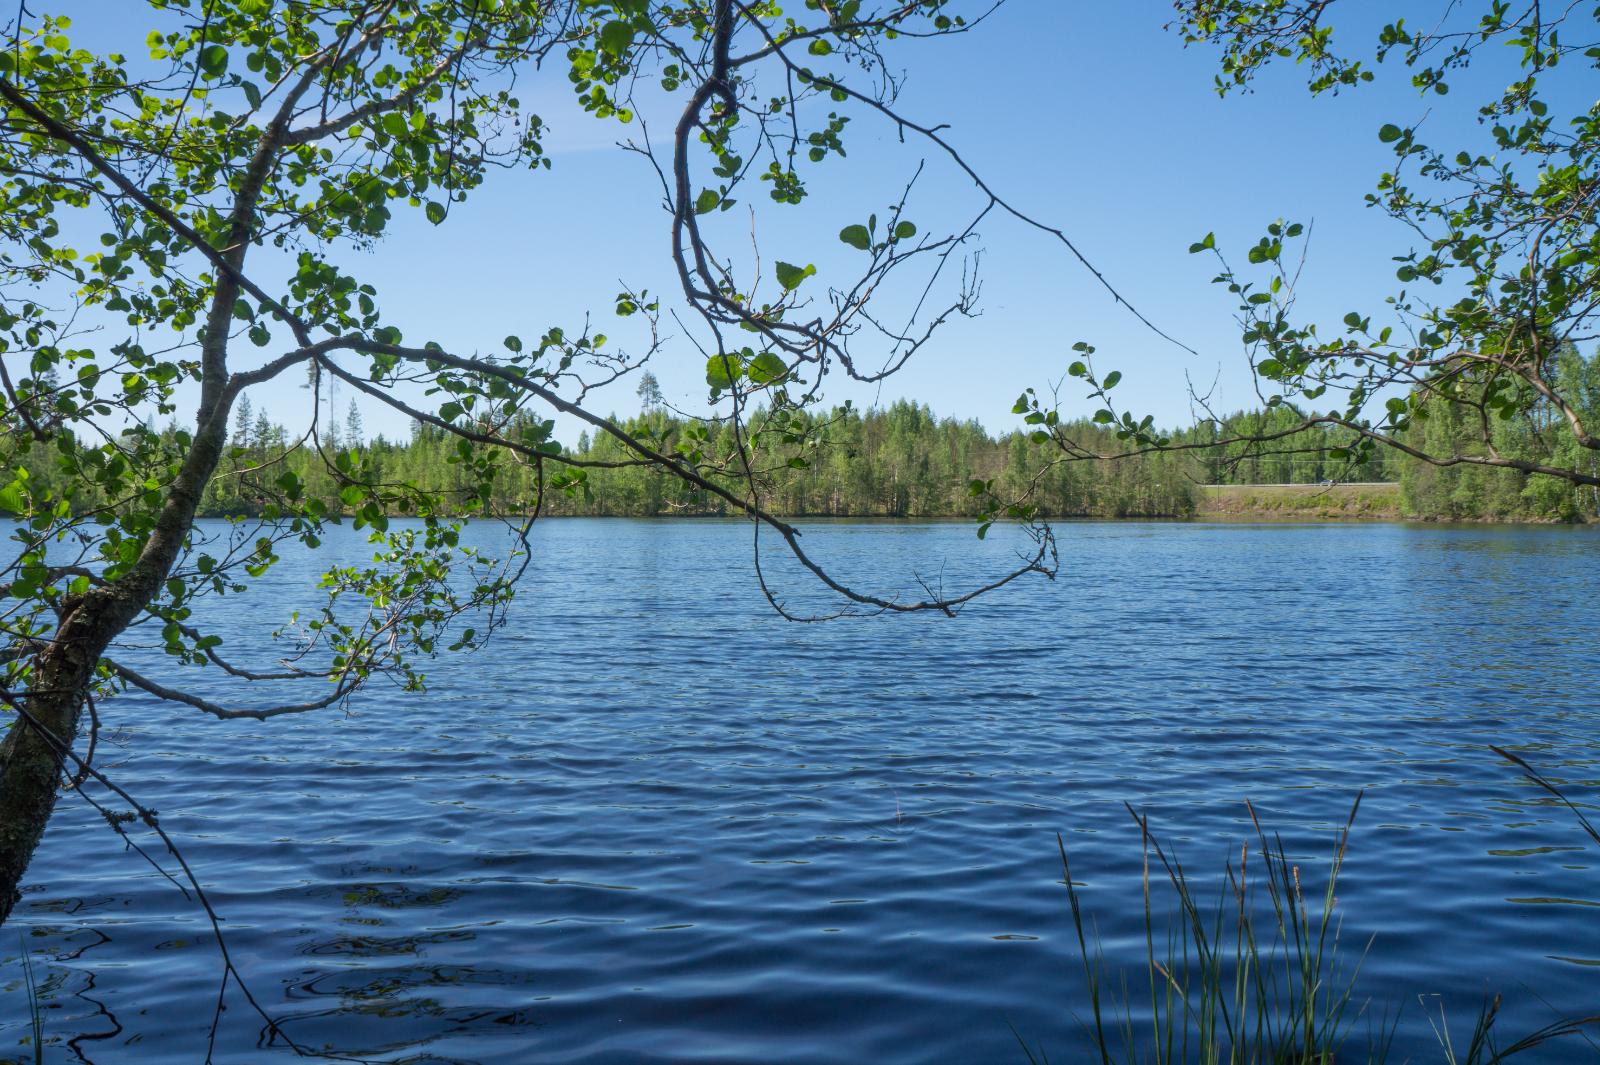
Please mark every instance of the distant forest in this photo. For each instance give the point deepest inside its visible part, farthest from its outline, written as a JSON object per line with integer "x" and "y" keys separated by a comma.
{"x": 904, "y": 461}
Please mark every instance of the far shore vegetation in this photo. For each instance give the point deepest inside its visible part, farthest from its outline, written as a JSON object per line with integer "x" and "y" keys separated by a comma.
{"x": 904, "y": 461}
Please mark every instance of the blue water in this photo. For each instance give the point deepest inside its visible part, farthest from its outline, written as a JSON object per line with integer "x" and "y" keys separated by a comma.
{"x": 654, "y": 822}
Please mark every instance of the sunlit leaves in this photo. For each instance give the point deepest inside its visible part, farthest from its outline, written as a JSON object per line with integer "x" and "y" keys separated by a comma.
{"x": 857, "y": 236}
{"x": 723, "y": 370}
{"x": 616, "y": 37}
{"x": 766, "y": 368}
{"x": 13, "y": 499}
{"x": 790, "y": 276}
{"x": 1506, "y": 226}
{"x": 213, "y": 60}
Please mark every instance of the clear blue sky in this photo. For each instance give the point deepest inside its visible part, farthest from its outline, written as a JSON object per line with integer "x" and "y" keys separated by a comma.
{"x": 1088, "y": 115}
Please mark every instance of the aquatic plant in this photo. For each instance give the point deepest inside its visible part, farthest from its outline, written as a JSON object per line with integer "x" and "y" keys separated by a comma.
{"x": 35, "y": 1016}
{"x": 1258, "y": 978}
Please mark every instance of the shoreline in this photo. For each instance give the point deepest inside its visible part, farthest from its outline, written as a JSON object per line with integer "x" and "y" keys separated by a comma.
{"x": 1263, "y": 517}
{"x": 1331, "y": 504}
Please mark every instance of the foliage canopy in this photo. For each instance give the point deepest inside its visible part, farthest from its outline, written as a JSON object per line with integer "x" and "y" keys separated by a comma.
{"x": 1504, "y": 280}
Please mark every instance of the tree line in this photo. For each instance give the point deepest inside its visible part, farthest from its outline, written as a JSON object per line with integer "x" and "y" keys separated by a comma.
{"x": 903, "y": 461}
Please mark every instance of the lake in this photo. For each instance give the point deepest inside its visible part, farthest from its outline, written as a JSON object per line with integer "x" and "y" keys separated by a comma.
{"x": 654, "y": 822}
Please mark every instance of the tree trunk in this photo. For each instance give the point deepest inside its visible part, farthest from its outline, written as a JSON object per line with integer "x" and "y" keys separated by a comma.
{"x": 30, "y": 762}
{"x": 28, "y": 790}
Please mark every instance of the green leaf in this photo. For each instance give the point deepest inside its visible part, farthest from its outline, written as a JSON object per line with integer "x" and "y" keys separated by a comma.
{"x": 214, "y": 60}
{"x": 766, "y": 368}
{"x": 856, "y": 236}
{"x": 616, "y": 37}
{"x": 706, "y": 201}
{"x": 12, "y": 500}
{"x": 435, "y": 211}
{"x": 723, "y": 371}
{"x": 1111, "y": 379}
{"x": 1389, "y": 133}
{"x": 904, "y": 231}
{"x": 790, "y": 275}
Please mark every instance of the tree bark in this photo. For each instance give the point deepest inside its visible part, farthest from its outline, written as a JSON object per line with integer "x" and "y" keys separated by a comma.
{"x": 31, "y": 762}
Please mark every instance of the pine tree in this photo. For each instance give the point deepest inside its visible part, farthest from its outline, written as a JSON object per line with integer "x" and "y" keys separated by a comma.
{"x": 261, "y": 435}
{"x": 241, "y": 424}
{"x": 650, "y": 397}
{"x": 353, "y": 435}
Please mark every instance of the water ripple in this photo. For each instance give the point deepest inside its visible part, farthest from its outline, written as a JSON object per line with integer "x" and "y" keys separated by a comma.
{"x": 653, "y": 823}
